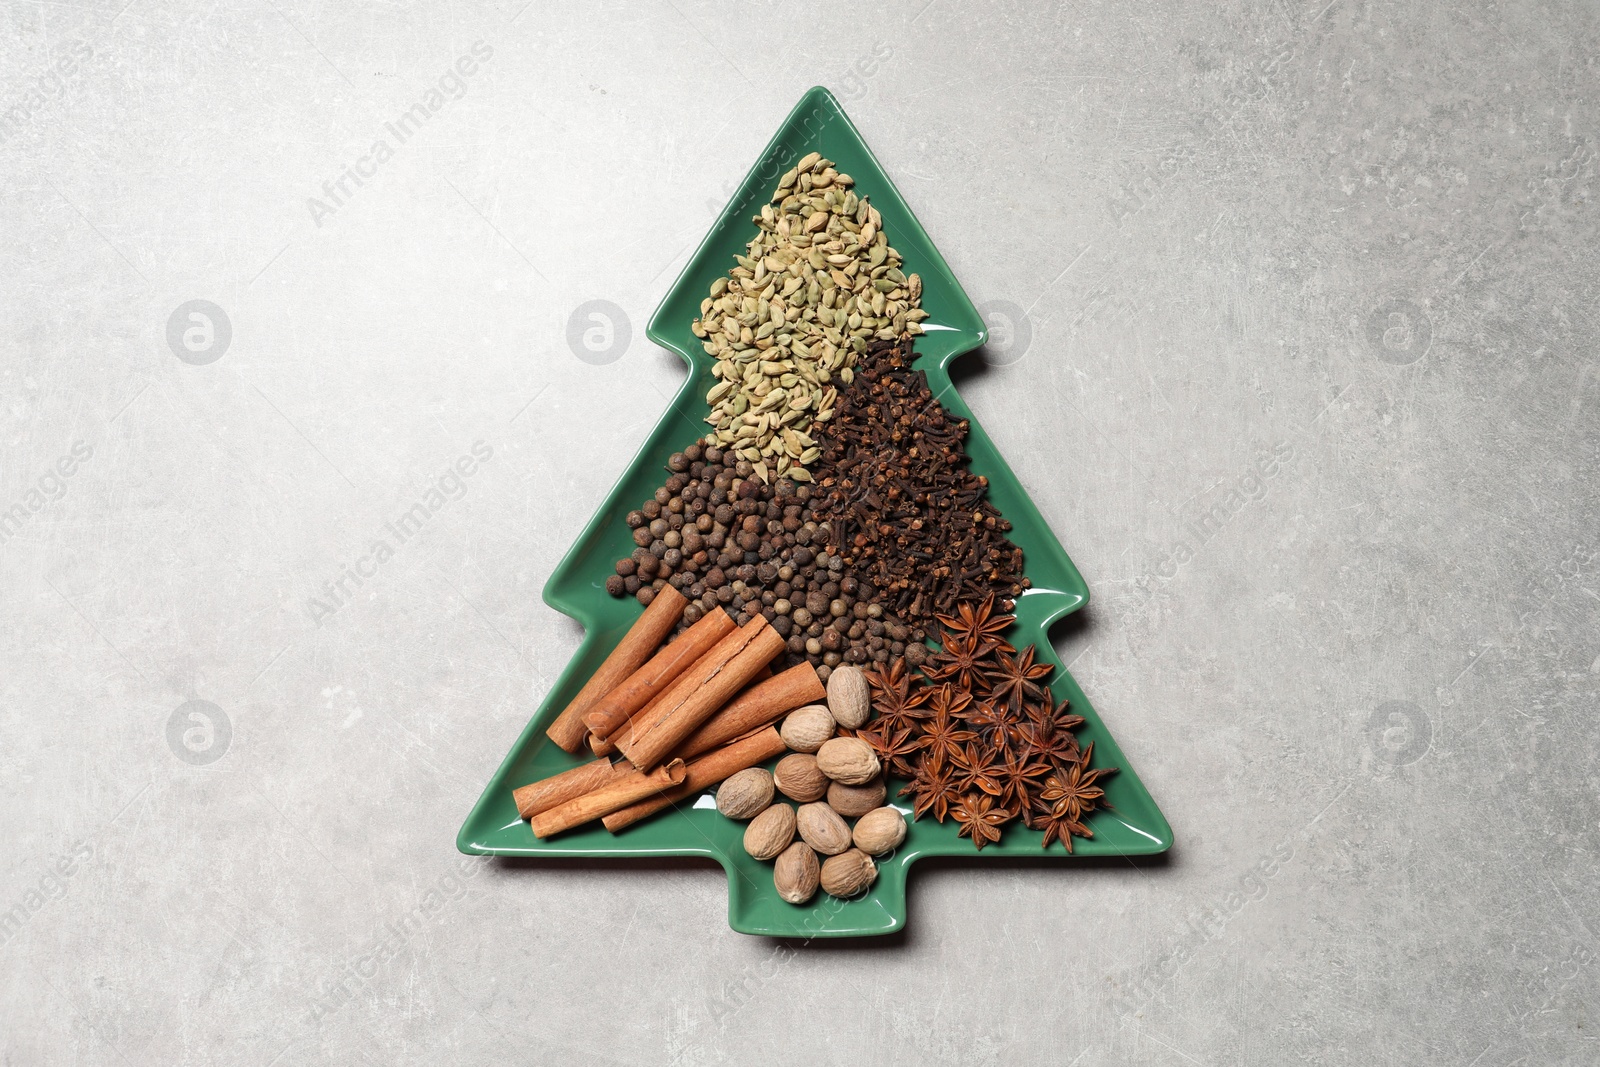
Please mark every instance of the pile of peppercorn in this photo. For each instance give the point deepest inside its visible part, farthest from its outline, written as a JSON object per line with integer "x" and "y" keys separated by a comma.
{"x": 722, "y": 537}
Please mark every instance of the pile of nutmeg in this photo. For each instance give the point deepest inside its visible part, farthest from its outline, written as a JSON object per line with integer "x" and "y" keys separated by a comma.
{"x": 832, "y": 778}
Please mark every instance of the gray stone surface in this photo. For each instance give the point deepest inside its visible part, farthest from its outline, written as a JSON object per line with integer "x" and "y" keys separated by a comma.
{"x": 1362, "y": 689}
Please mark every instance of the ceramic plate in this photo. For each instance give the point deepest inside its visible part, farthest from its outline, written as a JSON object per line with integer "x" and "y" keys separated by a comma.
{"x": 1133, "y": 826}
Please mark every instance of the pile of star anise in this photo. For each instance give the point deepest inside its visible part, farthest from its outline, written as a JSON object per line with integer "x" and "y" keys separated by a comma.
{"x": 980, "y": 736}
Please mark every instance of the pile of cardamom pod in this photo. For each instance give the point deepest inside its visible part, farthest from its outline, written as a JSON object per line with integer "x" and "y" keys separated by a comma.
{"x": 819, "y": 283}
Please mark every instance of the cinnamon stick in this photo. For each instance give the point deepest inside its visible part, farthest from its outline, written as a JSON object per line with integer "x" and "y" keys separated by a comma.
{"x": 559, "y": 788}
{"x": 636, "y": 646}
{"x": 703, "y": 689}
{"x": 687, "y": 684}
{"x": 656, "y": 675}
{"x": 606, "y": 746}
{"x": 757, "y": 706}
{"x": 619, "y": 792}
{"x": 703, "y": 773}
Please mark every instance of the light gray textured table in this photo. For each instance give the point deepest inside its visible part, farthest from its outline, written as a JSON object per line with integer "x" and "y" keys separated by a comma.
{"x": 1358, "y": 237}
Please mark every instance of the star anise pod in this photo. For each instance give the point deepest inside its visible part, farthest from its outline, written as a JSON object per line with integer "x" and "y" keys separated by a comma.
{"x": 1049, "y": 743}
{"x": 961, "y": 661}
{"x": 986, "y": 717}
{"x": 896, "y": 745}
{"x": 1043, "y": 709}
{"x": 979, "y": 818}
{"x": 893, "y": 697}
{"x": 975, "y": 768}
{"x": 884, "y": 679}
{"x": 941, "y": 735}
{"x": 1018, "y": 774}
{"x": 978, "y": 623}
{"x": 1073, "y": 793}
{"x": 948, "y": 700}
{"x": 929, "y": 791}
{"x": 1059, "y": 828}
{"x": 1065, "y": 721}
{"x": 1014, "y": 679}
{"x": 1063, "y": 718}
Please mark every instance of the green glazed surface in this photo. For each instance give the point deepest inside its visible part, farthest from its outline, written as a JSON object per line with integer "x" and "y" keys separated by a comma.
{"x": 1133, "y": 827}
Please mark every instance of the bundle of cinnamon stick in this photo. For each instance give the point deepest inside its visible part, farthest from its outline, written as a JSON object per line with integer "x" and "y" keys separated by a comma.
{"x": 685, "y": 715}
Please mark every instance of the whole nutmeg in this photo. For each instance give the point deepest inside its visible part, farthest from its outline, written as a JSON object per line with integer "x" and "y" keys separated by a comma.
{"x": 770, "y": 832}
{"x": 807, "y": 728}
{"x": 853, "y": 800}
{"x": 879, "y": 831}
{"x": 796, "y": 874}
{"x": 848, "y": 873}
{"x": 746, "y": 794}
{"x": 799, "y": 778}
{"x": 822, "y": 829}
{"x": 849, "y": 696}
{"x": 849, "y": 760}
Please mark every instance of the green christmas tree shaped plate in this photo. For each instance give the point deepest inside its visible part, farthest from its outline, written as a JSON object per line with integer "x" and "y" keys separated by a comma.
{"x": 1132, "y": 826}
